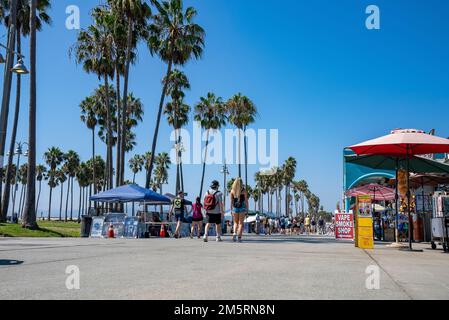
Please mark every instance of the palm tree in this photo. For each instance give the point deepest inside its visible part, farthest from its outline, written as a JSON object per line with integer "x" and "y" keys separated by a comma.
{"x": 211, "y": 113}
{"x": 94, "y": 49}
{"x": 135, "y": 14}
{"x": 136, "y": 165}
{"x": 288, "y": 174}
{"x": 23, "y": 29}
{"x": 163, "y": 162}
{"x": 177, "y": 114}
{"x": 40, "y": 174}
{"x": 83, "y": 176}
{"x": 302, "y": 188}
{"x": 175, "y": 39}
{"x": 72, "y": 162}
{"x": 147, "y": 159}
{"x": 53, "y": 158}
{"x": 61, "y": 178}
{"x": 89, "y": 115}
{"x": 22, "y": 178}
{"x": 241, "y": 112}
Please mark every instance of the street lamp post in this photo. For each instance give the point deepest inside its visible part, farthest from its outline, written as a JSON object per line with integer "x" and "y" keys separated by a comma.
{"x": 18, "y": 152}
{"x": 224, "y": 170}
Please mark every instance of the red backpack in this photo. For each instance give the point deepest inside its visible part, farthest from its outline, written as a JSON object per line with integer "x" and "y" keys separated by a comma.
{"x": 197, "y": 214}
{"x": 209, "y": 201}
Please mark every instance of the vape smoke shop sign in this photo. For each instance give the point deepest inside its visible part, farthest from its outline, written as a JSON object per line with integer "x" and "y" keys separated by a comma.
{"x": 344, "y": 225}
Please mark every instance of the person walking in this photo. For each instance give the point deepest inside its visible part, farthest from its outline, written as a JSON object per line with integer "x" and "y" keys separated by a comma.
{"x": 197, "y": 218}
{"x": 313, "y": 223}
{"x": 321, "y": 225}
{"x": 180, "y": 209}
{"x": 307, "y": 224}
{"x": 239, "y": 206}
{"x": 213, "y": 204}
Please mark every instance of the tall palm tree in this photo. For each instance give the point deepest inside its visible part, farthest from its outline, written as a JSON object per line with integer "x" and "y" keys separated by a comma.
{"x": 288, "y": 174}
{"x": 53, "y": 158}
{"x": 89, "y": 115}
{"x": 7, "y": 84}
{"x": 94, "y": 49}
{"x": 61, "y": 178}
{"x": 83, "y": 176}
{"x": 29, "y": 220}
{"x": 177, "y": 113}
{"x": 22, "y": 29}
{"x": 40, "y": 174}
{"x": 72, "y": 162}
{"x": 241, "y": 112}
{"x": 135, "y": 14}
{"x": 210, "y": 112}
{"x": 175, "y": 38}
{"x": 302, "y": 188}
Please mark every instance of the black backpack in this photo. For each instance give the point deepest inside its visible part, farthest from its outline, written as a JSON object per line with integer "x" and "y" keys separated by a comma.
{"x": 238, "y": 203}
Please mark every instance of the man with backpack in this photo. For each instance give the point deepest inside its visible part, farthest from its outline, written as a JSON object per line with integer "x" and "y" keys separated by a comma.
{"x": 180, "y": 209}
{"x": 213, "y": 204}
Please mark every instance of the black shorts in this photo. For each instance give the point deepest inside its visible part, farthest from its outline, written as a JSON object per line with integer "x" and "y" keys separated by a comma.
{"x": 214, "y": 218}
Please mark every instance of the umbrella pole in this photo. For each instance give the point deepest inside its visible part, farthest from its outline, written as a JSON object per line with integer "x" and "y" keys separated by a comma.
{"x": 396, "y": 198}
{"x": 410, "y": 220}
{"x": 423, "y": 208}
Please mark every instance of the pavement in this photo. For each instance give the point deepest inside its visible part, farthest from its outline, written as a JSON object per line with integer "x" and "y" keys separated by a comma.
{"x": 262, "y": 267}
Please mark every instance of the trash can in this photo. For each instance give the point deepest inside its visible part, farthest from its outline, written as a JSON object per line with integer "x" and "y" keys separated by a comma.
{"x": 86, "y": 224}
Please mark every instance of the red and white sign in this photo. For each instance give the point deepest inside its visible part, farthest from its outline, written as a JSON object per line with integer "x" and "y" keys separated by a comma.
{"x": 344, "y": 225}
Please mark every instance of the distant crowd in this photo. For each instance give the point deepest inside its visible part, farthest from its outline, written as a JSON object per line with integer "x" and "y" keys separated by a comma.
{"x": 210, "y": 210}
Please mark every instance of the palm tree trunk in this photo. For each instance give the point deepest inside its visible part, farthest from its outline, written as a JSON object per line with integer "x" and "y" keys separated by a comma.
{"x": 239, "y": 153}
{"x": 71, "y": 200}
{"x": 7, "y": 191}
{"x": 20, "y": 201}
{"x": 156, "y": 130}
{"x": 67, "y": 200}
{"x": 178, "y": 177}
{"x": 82, "y": 201}
{"x": 38, "y": 196}
{"x": 93, "y": 160}
{"x": 109, "y": 137}
{"x": 119, "y": 127}
{"x": 60, "y": 204}
{"x": 7, "y": 90}
{"x": 246, "y": 156}
{"x": 125, "y": 100}
{"x": 49, "y": 204}
{"x": 29, "y": 220}
{"x": 204, "y": 164}
{"x": 79, "y": 205}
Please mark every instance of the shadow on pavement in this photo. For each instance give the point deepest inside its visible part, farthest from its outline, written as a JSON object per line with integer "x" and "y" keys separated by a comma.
{"x": 10, "y": 262}
{"x": 280, "y": 239}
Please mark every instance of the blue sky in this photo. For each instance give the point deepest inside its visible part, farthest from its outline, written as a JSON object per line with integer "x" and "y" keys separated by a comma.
{"x": 311, "y": 67}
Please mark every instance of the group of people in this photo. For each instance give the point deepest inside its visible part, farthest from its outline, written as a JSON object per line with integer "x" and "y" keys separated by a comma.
{"x": 211, "y": 210}
{"x": 298, "y": 225}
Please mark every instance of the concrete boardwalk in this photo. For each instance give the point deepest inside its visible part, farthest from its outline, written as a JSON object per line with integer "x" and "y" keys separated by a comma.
{"x": 277, "y": 267}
